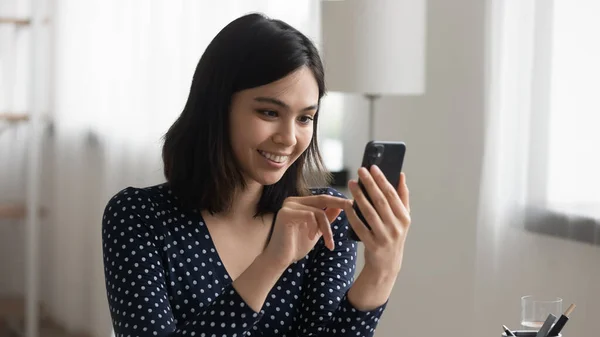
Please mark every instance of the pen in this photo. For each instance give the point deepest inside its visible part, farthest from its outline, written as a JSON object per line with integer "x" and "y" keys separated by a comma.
{"x": 508, "y": 332}
{"x": 561, "y": 322}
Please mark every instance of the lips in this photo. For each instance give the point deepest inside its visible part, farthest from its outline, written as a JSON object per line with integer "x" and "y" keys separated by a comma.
{"x": 274, "y": 157}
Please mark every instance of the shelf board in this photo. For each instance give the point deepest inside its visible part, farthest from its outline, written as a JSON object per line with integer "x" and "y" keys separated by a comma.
{"x": 15, "y": 211}
{"x": 14, "y": 117}
{"x": 13, "y": 307}
{"x": 12, "y": 211}
{"x": 12, "y": 320}
{"x": 15, "y": 21}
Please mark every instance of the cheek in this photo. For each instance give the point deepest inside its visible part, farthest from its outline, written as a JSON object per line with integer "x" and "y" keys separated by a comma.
{"x": 237, "y": 137}
{"x": 304, "y": 138}
{"x": 245, "y": 130}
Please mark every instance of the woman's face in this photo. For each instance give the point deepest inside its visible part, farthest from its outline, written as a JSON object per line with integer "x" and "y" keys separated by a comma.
{"x": 272, "y": 125}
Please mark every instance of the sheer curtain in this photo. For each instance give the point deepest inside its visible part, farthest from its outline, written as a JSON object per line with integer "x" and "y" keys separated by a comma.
{"x": 122, "y": 74}
{"x": 510, "y": 109}
{"x": 541, "y": 158}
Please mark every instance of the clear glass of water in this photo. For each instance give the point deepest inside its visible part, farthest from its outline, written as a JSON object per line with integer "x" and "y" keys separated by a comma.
{"x": 535, "y": 310}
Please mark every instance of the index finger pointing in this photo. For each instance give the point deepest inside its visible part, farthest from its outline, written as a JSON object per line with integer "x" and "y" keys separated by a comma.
{"x": 324, "y": 201}
{"x": 332, "y": 213}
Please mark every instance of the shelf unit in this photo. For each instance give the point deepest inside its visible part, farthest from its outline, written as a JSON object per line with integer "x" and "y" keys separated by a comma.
{"x": 23, "y": 315}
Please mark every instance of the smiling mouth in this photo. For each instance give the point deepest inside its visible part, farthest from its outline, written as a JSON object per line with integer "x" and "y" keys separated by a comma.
{"x": 273, "y": 157}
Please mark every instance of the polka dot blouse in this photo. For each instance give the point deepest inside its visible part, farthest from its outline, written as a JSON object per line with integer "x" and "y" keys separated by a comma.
{"x": 164, "y": 277}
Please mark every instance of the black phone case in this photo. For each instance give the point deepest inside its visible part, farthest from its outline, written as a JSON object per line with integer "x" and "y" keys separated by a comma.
{"x": 390, "y": 162}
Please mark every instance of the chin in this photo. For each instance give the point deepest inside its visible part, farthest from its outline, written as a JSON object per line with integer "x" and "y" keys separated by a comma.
{"x": 269, "y": 179}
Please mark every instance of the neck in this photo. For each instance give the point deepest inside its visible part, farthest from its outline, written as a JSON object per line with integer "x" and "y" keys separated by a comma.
{"x": 243, "y": 204}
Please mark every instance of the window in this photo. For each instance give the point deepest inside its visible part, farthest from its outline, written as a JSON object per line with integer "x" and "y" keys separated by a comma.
{"x": 574, "y": 123}
{"x": 543, "y": 146}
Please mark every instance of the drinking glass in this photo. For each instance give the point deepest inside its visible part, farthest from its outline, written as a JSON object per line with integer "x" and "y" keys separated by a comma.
{"x": 535, "y": 310}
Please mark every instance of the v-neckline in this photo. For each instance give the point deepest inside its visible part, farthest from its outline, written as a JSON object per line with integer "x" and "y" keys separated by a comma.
{"x": 219, "y": 264}
{"x": 212, "y": 246}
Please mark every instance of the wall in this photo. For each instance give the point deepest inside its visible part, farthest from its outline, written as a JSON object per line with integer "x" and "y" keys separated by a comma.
{"x": 443, "y": 132}
{"x": 460, "y": 276}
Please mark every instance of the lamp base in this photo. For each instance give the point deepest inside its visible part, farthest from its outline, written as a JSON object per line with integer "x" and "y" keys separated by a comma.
{"x": 372, "y": 98}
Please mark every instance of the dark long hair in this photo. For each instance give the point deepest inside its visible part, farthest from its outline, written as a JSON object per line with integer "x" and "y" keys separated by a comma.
{"x": 199, "y": 164}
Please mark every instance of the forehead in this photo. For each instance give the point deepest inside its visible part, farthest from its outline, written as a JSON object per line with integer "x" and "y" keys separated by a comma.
{"x": 298, "y": 89}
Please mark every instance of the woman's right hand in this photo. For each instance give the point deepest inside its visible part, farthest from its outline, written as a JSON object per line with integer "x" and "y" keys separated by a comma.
{"x": 300, "y": 223}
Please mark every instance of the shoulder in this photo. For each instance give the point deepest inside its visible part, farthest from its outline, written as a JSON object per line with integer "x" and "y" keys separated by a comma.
{"x": 135, "y": 198}
{"x": 137, "y": 205}
{"x": 327, "y": 190}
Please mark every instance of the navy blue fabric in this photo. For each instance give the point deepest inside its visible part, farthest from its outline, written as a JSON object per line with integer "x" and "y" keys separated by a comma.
{"x": 164, "y": 277}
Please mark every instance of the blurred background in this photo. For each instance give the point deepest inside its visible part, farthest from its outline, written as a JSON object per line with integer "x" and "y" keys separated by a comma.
{"x": 496, "y": 101}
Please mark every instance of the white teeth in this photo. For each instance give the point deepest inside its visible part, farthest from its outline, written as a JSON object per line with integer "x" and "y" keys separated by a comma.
{"x": 275, "y": 158}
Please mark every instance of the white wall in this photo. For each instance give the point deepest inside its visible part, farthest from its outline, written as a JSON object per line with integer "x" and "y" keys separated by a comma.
{"x": 443, "y": 132}
{"x": 461, "y": 278}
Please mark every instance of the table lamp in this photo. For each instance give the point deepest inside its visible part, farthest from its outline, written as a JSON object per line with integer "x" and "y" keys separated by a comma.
{"x": 374, "y": 48}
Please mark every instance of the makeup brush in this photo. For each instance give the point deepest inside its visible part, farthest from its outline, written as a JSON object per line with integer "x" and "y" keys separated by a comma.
{"x": 561, "y": 322}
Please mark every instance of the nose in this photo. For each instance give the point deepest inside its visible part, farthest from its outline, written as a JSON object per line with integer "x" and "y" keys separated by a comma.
{"x": 285, "y": 134}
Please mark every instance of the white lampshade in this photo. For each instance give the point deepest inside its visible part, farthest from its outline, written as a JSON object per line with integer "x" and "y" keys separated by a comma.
{"x": 374, "y": 46}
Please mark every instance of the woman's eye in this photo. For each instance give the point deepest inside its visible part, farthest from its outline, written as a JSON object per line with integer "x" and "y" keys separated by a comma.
{"x": 305, "y": 119}
{"x": 268, "y": 113}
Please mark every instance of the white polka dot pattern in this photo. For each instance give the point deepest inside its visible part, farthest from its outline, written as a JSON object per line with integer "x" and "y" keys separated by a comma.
{"x": 165, "y": 278}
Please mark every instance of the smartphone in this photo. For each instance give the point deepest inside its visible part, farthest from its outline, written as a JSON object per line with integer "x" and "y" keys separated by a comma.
{"x": 389, "y": 157}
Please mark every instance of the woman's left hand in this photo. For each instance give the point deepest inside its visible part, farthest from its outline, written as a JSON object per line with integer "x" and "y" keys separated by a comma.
{"x": 388, "y": 217}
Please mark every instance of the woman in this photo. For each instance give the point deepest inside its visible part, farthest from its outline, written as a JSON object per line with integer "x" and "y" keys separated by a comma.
{"x": 235, "y": 242}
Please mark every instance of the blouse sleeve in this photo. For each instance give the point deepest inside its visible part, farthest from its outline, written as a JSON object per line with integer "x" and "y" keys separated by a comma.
{"x": 135, "y": 279}
{"x": 325, "y": 309}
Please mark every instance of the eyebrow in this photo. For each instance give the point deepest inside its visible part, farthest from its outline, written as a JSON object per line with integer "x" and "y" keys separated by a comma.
{"x": 282, "y": 104}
